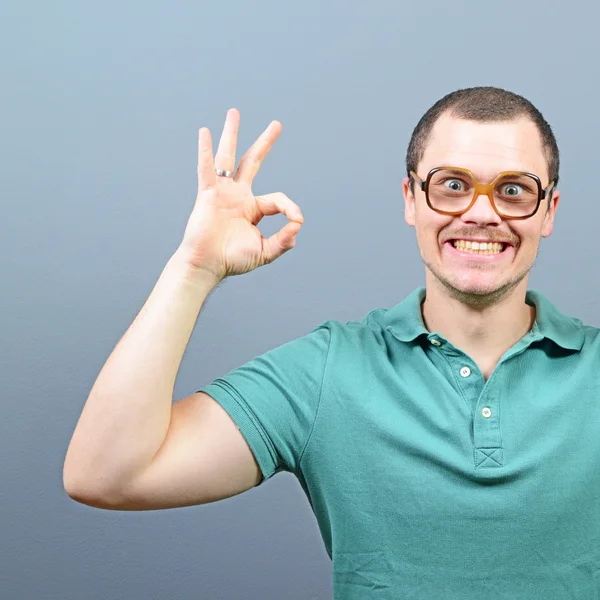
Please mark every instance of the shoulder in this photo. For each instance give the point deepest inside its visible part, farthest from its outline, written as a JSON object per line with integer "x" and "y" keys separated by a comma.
{"x": 370, "y": 326}
{"x": 591, "y": 333}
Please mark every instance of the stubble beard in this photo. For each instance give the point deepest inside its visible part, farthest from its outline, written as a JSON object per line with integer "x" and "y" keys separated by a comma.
{"x": 478, "y": 297}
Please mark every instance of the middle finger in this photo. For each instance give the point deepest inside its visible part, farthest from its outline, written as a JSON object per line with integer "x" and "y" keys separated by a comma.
{"x": 225, "y": 157}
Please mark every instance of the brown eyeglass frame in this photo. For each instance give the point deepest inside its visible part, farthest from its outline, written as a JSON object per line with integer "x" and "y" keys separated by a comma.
{"x": 486, "y": 189}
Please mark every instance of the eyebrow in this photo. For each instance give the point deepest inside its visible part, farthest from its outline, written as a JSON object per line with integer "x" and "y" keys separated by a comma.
{"x": 454, "y": 171}
{"x": 457, "y": 172}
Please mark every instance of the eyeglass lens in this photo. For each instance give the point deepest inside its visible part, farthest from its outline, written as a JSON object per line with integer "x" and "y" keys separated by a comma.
{"x": 514, "y": 195}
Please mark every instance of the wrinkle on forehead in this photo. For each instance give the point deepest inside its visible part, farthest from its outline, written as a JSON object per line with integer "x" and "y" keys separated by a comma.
{"x": 485, "y": 149}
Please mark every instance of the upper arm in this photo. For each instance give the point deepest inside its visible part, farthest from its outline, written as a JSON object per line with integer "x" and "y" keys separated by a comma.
{"x": 273, "y": 399}
{"x": 203, "y": 458}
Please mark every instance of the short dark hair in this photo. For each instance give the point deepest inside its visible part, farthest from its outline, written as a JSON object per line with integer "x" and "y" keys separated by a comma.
{"x": 484, "y": 104}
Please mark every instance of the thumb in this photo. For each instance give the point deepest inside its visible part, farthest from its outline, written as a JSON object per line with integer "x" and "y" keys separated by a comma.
{"x": 280, "y": 242}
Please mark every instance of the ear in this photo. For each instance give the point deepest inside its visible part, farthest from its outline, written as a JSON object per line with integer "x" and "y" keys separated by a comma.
{"x": 548, "y": 224}
{"x": 409, "y": 202}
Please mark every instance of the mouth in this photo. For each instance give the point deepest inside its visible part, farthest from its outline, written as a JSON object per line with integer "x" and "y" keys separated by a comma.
{"x": 479, "y": 251}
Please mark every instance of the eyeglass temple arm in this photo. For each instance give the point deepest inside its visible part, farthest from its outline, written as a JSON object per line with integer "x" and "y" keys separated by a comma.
{"x": 547, "y": 189}
{"x": 418, "y": 180}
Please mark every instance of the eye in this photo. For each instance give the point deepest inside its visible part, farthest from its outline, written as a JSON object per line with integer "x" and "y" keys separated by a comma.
{"x": 512, "y": 189}
{"x": 455, "y": 185}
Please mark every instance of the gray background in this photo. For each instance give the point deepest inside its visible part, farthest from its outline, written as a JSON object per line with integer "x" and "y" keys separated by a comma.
{"x": 100, "y": 104}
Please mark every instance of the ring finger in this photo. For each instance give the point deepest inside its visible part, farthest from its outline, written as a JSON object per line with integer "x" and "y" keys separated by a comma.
{"x": 225, "y": 157}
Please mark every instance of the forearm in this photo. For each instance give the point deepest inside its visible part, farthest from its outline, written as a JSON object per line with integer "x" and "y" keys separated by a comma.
{"x": 126, "y": 416}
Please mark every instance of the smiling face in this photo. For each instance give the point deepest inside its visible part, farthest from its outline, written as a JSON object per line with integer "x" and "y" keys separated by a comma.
{"x": 486, "y": 149}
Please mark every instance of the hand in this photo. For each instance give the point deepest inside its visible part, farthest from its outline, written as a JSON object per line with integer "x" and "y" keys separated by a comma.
{"x": 221, "y": 236}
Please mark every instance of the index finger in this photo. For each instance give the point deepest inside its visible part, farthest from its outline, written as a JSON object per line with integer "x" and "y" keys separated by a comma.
{"x": 251, "y": 161}
{"x": 207, "y": 177}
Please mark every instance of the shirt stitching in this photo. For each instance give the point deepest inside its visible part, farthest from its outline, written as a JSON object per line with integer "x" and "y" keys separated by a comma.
{"x": 318, "y": 402}
{"x": 241, "y": 402}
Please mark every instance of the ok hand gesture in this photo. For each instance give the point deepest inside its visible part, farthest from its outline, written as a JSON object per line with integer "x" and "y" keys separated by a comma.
{"x": 221, "y": 236}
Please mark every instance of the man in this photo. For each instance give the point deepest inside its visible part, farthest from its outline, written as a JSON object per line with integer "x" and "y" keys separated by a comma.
{"x": 449, "y": 446}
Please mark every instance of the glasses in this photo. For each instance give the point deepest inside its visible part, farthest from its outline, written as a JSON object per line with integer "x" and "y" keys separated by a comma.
{"x": 453, "y": 191}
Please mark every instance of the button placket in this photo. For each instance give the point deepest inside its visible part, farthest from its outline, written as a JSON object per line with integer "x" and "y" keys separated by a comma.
{"x": 488, "y": 452}
{"x": 483, "y": 403}
{"x": 467, "y": 377}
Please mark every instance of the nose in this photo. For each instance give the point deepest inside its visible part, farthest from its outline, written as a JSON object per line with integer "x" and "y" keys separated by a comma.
{"x": 482, "y": 212}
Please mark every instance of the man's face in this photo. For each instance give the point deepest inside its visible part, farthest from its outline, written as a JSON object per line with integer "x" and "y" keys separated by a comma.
{"x": 485, "y": 149}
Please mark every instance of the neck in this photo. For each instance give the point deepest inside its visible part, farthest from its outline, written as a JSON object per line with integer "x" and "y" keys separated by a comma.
{"x": 485, "y": 331}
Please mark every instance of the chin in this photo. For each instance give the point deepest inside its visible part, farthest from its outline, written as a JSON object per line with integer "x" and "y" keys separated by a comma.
{"x": 477, "y": 290}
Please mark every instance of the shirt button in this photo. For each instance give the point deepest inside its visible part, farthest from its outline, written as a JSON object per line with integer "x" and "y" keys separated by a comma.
{"x": 465, "y": 371}
{"x": 436, "y": 342}
{"x": 486, "y": 412}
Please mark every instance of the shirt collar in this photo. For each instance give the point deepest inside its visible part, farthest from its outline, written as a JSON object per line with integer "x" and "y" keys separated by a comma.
{"x": 405, "y": 320}
{"x": 553, "y": 324}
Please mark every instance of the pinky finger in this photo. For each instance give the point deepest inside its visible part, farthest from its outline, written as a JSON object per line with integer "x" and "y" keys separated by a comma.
{"x": 279, "y": 243}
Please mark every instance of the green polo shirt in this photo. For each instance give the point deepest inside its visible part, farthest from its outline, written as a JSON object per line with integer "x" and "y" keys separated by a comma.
{"x": 427, "y": 482}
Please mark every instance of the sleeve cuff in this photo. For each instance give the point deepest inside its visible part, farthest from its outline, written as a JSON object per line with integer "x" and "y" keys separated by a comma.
{"x": 256, "y": 437}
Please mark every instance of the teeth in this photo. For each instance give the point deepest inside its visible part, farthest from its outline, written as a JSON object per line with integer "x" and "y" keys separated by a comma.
{"x": 478, "y": 247}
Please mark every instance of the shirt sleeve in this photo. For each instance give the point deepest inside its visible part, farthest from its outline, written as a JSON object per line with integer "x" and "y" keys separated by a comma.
{"x": 273, "y": 399}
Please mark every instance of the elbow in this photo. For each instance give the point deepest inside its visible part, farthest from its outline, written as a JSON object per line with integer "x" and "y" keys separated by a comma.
{"x": 81, "y": 491}
{"x": 91, "y": 497}
{"x": 86, "y": 491}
